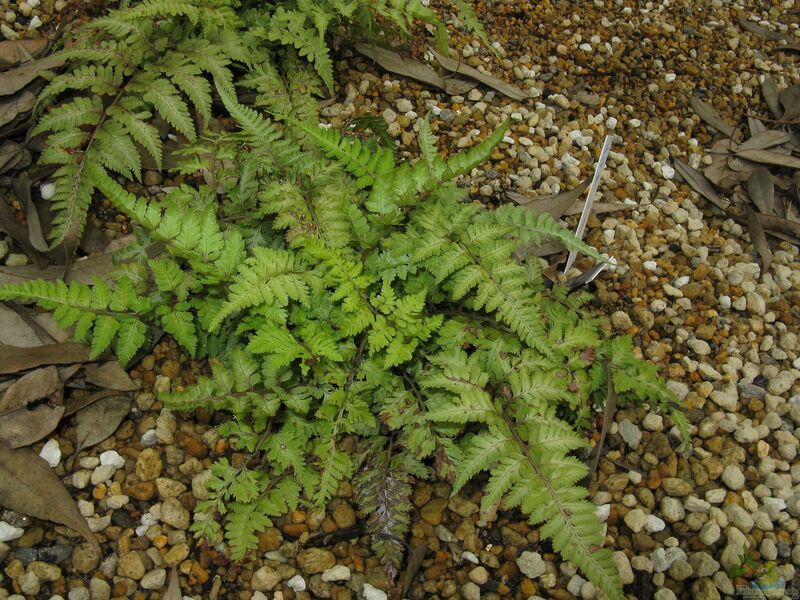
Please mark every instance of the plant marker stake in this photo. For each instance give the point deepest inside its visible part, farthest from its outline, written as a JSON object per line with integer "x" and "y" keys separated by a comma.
{"x": 587, "y": 208}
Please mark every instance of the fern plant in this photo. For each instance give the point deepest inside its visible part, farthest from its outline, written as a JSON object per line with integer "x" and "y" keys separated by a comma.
{"x": 360, "y": 315}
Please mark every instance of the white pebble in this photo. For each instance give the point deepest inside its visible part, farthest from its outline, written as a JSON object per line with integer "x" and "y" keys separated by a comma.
{"x": 373, "y": 593}
{"x": 35, "y": 22}
{"x": 670, "y": 77}
{"x": 611, "y": 122}
{"x": 112, "y": 458}
{"x": 8, "y": 532}
{"x": 47, "y": 190}
{"x": 297, "y": 583}
{"x": 51, "y": 453}
{"x": 667, "y": 171}
{"x": 634, "y": 123}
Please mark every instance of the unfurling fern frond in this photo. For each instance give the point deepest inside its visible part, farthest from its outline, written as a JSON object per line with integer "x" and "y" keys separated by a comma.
{"x": 383, "y": 492}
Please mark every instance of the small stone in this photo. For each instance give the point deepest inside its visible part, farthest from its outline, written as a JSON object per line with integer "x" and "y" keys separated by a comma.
{"x": 621, "y": 321}
{"x": 372, "y": 593}
{"x": 112, "y": 458}
{"x": 680, "y": 570}
{"x": 733, "y": 477}
{"x": 389, "y": 116}
{"x": 676, "y": 487}
{"x": 653, "y": 422}
{"x": 169, "y": 488}
{"x": 102, "y": 473}
{"x": 9, "y": 533}
{"x": 344, "y": 516}
{"x": 703, "y": 564}
{"x": 148, "y": 465}
{"x": 266, "y": 578}
{"x": 433, "y": 511}
{"x": 630, "y": 433}
{"x": 154, "y": 579}
{"x": 709, "y": 533}
{"x": 131, "y": 565}
{"x": 635, "y": 519}
{"x": 672, "y": 510}
{"x": 51, "y": 453}
{"x": 99, "y": 588}
{"x": 470, "y": 591}
{"x": 479, "y": 575}
{"x": 531, "y": 564}
{"x": 297, "y": 583}
{"x": 315, "y": 560}
{"x": 704, "y": 589}
{"x": 654, "y": 524}
{"x": 173, "y": 513}
{"x": 336, "y": 573}
{"x": 623, "y": 567}
{"x": 462, "y": 507}
{"x": 403, "y": 105}
{"x": 117, "y": 501}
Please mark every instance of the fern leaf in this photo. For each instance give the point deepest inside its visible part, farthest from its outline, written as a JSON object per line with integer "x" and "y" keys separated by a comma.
{"x": 180, "y": 325}
{"x": 131, "y": 337}
{"x": 71, "y": 115}
{"x": 168, "y": 102}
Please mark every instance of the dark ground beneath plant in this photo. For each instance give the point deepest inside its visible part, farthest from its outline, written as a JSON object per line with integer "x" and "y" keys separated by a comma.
{"x": 687, "y": 288}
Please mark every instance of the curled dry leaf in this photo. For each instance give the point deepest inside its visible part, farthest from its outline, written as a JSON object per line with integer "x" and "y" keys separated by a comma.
{"x": 769, "y": 89}
{"x": 15, "y": 79}
{"x": 100, "y": 420}
{"x": 13, "y": 52}
{"x": 414, "y": 69}
{"x": 790, "y": 229}
{"x": 111, "y": 376}
{"x": 461, "y": 68}
{"x": 765, "y": 139}
{"x": 759, "y": 30}
{"x": 14, "y": 359}
{"x": 556, "y": 205}
{"x": 29, "y": 486}
{"x": 699, "y": 183}
{"x": 769, "y": 157}
{"x": 758, "y": 238}
{"x": 761, "y": 188}
{"x": 31, "y": 407}
{"x": 711, "y": 117}
{"x": 790, "y": 100}
{"x": 174, "y": 588}
{"x": 755, "y": 126}
{"x": 19, "y": 104}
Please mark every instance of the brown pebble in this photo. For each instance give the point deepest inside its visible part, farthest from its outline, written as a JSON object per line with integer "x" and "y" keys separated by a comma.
{"x": 193, "y": 446}
{"x": 142, "y": 491}
{"x": 295, "y": 529}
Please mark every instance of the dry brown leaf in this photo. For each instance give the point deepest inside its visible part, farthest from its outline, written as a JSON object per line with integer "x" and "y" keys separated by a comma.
{"x": 13, "y": 156}
{"x": 769, "y": 89}
{"x": 22, "y": 188}
{"x": 759, "y": 30}
{"x": 755, "y": 126}
{"x": 769, "y": 157}
{"x": 783, "y": 226}
{"x": 765, "y": 139}
{"x": 790, "y": 100}
{"x": 31, "y": 407}
{"x": 15, "y": 331}
{"x": 15, "y": 79}
{"x": 29, "y": 486}
{"x": 758, "y": 238}
{"x": 14, "y": 359}
{"x": 711, "y": 117}
{"x": 174, "y": 588}
{"x": 788, "y": 46}
{"x": 100, "y": 420}
{"x": 699, "y": 183}
{"x": 761, "y": 188}
{"x": 555, "y": 205}
{"x": 13, "y": 52}
{"x": 17, "y": 105}
{"x": 110, "y": 376}
{"x": 461, "y": 68}
{"x": 414, "y": 69}
{"x": 81, "y": 271}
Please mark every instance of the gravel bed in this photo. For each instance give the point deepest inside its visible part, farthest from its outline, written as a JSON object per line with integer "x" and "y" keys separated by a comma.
{"x": 687, "y": 287}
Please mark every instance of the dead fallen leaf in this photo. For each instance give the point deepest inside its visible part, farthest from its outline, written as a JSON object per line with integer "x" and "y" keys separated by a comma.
{"x": 111, "y": 376}
{"x": 408, "y": 67}
{"x": 759, "y": 30}
{"x": 790, "y": 100}
{"x": 761, "y": 188}
{"x": 100, "y": 420}
{"x": 769, "y": 89}
{"x": 14, "y": 329}
{"x": 13, "y": 52}
{"x": 22, "y": 188}
{"x": 788, "y": 47}
{"x": 17, "y": 105}
{"x": 758, "y": 238}
{"x": 555, "y": 205}
{"x": 30, "y": 487}
{"x": 14, "y": 359}
{"x": 765, "y": 139}
{"x": 755, "y": 126}
{"x": 699, "y": 183}
{"x": 769, "y": 157}
{"x": 31, "y": 407}
{"x": 461, "y": 68}
{"x": 14, "y": 80}
{"x": 711, "y": 117}
{"x": 784, "y": 226}
{"x": 81, "y": 270}
{"x": 13, "y": 156}
{"x": 174, "y": 588}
